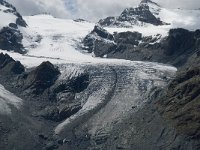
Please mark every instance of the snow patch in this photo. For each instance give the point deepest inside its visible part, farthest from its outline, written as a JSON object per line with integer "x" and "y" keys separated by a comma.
{"x": 7, "y": 100}
{"x": 6, "y": 18}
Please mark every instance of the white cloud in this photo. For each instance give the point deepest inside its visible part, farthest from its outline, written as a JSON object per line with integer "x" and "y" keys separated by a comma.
{"x": 31, "y": 7}
{"x": 188, "y": 4}
{"x": 90, "y": 9}
{"x": 103, "y": 8}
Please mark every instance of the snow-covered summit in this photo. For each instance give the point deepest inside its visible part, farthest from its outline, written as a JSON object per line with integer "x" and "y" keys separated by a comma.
{"x": 144, "y": 13}
{"x": 149, "y": 13}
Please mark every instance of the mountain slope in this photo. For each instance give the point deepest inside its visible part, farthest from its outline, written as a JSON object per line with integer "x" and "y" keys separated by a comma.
{"x": 10, "y": 35}
{"x": 66, "y": 98}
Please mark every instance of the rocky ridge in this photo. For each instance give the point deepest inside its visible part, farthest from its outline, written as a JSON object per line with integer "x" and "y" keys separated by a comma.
{"x": 175, "y": 49}
{"x": 140, "y": 16}
{"x": 10, "y": 34}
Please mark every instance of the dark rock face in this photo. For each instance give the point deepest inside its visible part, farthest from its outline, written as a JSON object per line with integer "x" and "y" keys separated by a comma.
{"x": 80, "y": 83}
{"x": 134, "y": 16}
{"x": 180, "y": 46}
{"x": 101, "y": 49}
{"x": 99, "y": 41}
{"x": 142, "y": 13}
{"x": 79, "y": 20}
{"x": 176, "y": 49}
{"x": 124, "y": 45}
{"x": 102, "y": 33}
{"x": 128, "y": 37}
{"x": 9, "y": 65}
{"x": 109, "y": 21}
{"x": 181, "y": 40}
{"x": 11, "y": 39}
{"x": 75, "y": 84}
{"x": 63, "y": 94}
{"x": 41, "y": 77}
{"x": 180, "y": 104}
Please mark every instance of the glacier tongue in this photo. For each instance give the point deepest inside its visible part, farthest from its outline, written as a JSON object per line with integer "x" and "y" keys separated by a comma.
{"x": 115, "y": 92}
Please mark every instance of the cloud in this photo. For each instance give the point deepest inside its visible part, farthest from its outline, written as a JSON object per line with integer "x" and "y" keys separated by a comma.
{"x": 187, "y": 4}
{"x": 31, "y": 7}
{"x": 102, "y": 8}
{"x": 90, "y": 9}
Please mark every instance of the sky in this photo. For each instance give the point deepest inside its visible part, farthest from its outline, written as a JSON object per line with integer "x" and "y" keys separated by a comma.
{"x": 92, "y": 10}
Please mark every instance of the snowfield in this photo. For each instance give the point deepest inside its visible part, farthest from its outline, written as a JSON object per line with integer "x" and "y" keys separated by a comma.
{"x": 58, "y": 40}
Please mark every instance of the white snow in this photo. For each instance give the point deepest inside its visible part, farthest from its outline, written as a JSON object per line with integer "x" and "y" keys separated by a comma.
{"x": 146, "y": 30}
{"x": 7, "y": 100}
{"x": 55, "y": 40}
{"x": 6, "y": 18}
{"x": 2, "y": 8}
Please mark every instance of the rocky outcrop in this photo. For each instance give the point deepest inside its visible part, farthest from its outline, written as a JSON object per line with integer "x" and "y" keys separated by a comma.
{"x": 124, "y": 45}
{"x": 179, "y": 48}
{"x": 11, "y": 39}
{"x": 99, "y": 41}
{"x": 134, "y": 16}
{"x": 41, "y": 78}
{"x": 8, "y": 66}
{"x": 63, "y": 93}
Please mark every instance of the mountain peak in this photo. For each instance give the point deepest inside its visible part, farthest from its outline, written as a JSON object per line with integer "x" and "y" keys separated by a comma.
{"x": 146, "y": 13}
{"x": 146, "y": 2}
